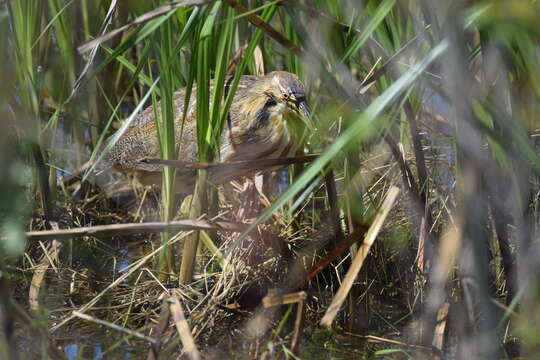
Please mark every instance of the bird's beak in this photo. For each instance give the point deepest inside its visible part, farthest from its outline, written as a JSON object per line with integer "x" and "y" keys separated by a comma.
{"x": 303, "y": 111}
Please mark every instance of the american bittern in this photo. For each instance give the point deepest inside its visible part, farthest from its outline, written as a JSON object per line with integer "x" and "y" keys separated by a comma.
{"x": 265, "y": 116}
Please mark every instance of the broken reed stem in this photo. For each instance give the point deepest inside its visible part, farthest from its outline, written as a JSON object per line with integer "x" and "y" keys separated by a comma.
{"x": 297, "y": 326}
{"x": 438, "y": 336}
{"x": 356, "y": 265}
{"x": 50, "y": 256}
{"x": 333, "y": 254}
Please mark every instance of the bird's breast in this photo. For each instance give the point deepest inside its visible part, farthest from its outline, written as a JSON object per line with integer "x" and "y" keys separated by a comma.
{"x": 268, "y": 137}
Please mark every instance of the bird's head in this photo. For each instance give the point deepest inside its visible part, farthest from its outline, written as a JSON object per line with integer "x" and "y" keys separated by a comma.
{"x": 285, "y": 94}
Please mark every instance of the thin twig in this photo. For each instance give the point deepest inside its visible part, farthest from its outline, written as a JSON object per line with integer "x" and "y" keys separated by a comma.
{"x": 114, "y": 326}
{"x": 267, "y": 28}
{"x": 438, "y": 336}
{"x": 157, "y": 12}
{"x": 135, "y": 228}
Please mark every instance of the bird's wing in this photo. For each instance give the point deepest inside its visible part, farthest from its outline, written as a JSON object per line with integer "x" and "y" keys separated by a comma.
{"x": 140, "y": 139}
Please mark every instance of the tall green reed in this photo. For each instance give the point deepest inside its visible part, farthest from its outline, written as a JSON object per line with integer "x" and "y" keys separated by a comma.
{"x": 168, "y": 65}
{"x": 202, "y": 46}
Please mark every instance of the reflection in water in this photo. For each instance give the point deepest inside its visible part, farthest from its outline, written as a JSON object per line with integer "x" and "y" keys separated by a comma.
{"x": 72, "y": 350}
{"x": 123, "y": 262}
{"x": 94, "y": 350}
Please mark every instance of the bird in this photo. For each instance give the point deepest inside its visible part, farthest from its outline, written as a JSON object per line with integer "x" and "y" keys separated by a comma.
{"x": 265, "y": 118}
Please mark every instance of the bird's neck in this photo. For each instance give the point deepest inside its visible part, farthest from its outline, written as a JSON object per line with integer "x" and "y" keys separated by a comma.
{"x": 260, "y": 132}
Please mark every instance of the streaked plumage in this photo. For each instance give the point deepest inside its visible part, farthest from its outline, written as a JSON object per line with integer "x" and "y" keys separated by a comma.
{"x": 262, "y": 115}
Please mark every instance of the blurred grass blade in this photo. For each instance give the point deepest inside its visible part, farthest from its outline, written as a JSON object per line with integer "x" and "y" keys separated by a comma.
{"x": 57, "y": 14}
{"x": 383, "y": 10}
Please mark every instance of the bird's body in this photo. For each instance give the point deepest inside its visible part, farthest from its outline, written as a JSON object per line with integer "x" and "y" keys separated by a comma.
{"x": 262, "y": 116}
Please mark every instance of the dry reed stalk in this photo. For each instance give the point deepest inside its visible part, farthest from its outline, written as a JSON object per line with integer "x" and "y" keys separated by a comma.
{"x": 50, "y": 256}
{"x": 450, "y": 245}
{"x": 356, "y": 265}
{"x": 135, "y": 228}
{"x": 182, "y": 327}
{"x": 271, "y": 301}
{"x": 295, "y": 341}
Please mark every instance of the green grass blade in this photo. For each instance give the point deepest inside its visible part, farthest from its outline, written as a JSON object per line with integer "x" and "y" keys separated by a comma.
{"x": 267, "y": 16}
{"x": 133, "y": 39}
{"x": 223, "y": 55}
